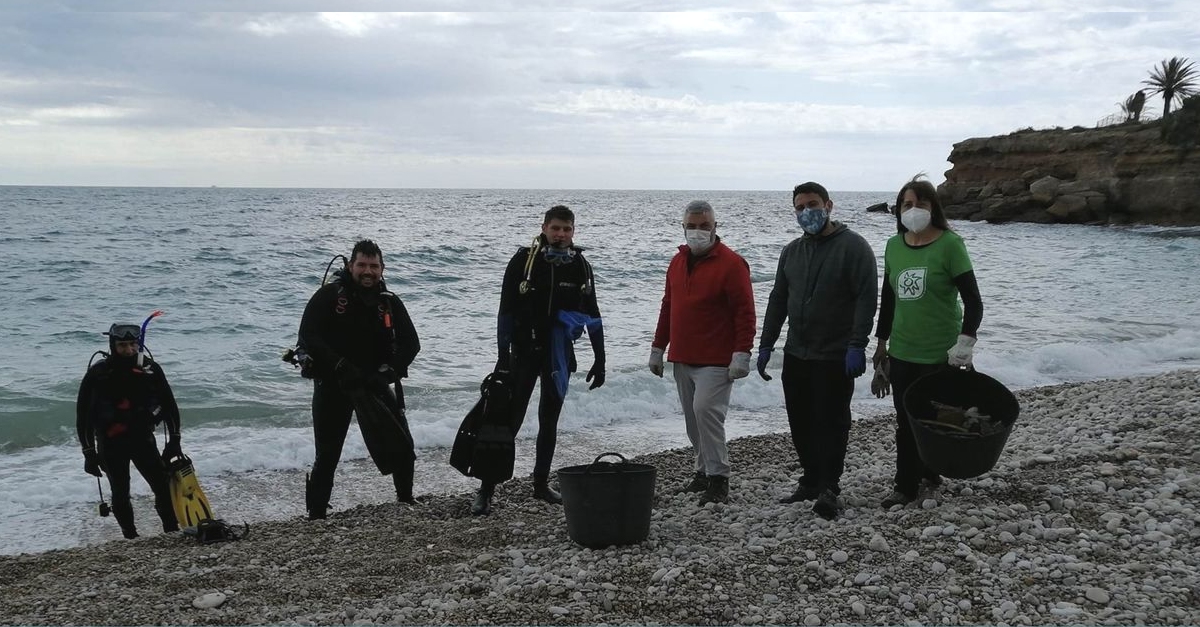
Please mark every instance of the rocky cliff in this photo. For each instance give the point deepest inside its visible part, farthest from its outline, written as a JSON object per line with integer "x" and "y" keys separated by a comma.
{"x": 1117, "y": 175}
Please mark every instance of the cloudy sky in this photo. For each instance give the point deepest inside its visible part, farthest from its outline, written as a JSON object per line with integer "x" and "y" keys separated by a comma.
{"x": 860, "y": 99}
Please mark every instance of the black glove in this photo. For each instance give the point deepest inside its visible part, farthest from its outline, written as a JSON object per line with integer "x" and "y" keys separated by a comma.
{"x": 172, "y": 449}
{"x": 91, "y": 464}
{"x": 596, "y": 375}
{"x": 348, "y": 375}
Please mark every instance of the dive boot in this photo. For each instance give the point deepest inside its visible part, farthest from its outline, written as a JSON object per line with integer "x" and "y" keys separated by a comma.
{"x": 803, "y": 493}
{"x": 718, "y": 490}
{"x": 543, "y": 492}
{"x": 827, "y": 505}
{"x": 315, "y": 512}
{"x": 896, "y": 498}
{"x": 482, "y": 506}
{"x": 699, "y": 483}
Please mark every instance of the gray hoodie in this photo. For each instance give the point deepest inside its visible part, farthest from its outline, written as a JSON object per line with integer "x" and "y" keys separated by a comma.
{"x": 826, "y": 288}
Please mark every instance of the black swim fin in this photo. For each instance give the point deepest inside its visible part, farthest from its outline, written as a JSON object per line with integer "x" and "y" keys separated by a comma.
{"x": 384, "y": 427}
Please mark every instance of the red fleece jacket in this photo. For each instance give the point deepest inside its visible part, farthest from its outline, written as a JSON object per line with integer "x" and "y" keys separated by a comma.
{"x": 707, "y": 310}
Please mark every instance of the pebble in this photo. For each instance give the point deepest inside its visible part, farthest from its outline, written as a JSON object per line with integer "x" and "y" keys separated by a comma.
{"x": 1026, "y": 544}
{"x": 209, "y": 601}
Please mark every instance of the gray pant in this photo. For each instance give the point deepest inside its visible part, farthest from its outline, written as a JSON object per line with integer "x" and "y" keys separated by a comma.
{"x": 704, "y": 394}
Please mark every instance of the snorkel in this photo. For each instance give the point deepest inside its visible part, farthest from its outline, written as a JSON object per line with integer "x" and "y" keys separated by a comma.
{"x": 142, "y": 336}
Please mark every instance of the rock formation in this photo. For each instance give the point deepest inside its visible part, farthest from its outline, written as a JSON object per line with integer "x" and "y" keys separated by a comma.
{"x": 1113, "y": 175}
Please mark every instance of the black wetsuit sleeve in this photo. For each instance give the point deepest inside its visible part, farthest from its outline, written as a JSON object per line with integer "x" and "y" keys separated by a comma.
{"x": 406, "y": 345}
{"x": 968, "y": 289}
{"x": 170, "y": 408}
{"x": 887, "y": 310}
{"x": 588, "y": 303}
{"x": 315, "y": 326}
{"x": 83, "y": 407}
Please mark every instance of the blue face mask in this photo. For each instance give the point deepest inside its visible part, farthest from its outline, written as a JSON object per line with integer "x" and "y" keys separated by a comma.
{"x": 812, "y": 219}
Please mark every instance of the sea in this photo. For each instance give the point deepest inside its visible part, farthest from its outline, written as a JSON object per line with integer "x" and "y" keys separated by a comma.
{"x": 232, "y": 270}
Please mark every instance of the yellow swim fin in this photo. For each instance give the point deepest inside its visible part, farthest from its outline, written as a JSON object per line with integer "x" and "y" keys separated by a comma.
{"x": 191, "y": 506}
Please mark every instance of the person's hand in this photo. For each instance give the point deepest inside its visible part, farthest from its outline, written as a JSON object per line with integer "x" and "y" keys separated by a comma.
{"x": 656, "y": 361}
{"x": 856, "y": 361}
{"x": 739, "y": 366}
{"x": 595, "y": 375}
{"x": 881, "y": 354}
{"x": 91, "y": 464}
{"x": 764, "y": 356}
{"x": 172, "y": 448}
{"x": 880, "y": 385}
{"x": 961, "y": 353}
{"x": 348, "y": 375}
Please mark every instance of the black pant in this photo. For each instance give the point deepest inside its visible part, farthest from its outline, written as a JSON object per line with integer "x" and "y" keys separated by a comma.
{"x": 527, "y": 369}
{"x": 142, "y": 451}
{"x": 331, "y": 409}
{"x": 817, "y": 395}
{"x": 909, "y": 467}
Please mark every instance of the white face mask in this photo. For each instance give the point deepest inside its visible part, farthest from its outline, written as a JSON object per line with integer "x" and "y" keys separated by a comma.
{"x": 915, "y": 219}
{"x": 698, "y": 240}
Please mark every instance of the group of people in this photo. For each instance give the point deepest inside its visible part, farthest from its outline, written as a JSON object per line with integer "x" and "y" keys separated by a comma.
{"x": 826, "y": 289}
{"x": 358, "y": 334}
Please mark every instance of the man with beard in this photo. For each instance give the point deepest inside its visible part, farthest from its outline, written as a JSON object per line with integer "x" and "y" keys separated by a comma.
{"x": 359, "y": 335}
{"x": 121, "y": 400}
{"x": 548, "y": 287}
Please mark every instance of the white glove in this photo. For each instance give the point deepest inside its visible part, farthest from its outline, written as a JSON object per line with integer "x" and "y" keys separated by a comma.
{"x": 739, "y": 366}
{"x": 960, "y": 354}
{"x": 656, "y": 362}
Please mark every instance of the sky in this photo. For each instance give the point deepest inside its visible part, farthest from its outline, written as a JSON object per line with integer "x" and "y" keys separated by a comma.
{"x": 860, "y": 97}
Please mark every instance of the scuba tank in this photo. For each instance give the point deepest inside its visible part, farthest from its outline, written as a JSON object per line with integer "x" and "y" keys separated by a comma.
{"x": 297, "y": 356}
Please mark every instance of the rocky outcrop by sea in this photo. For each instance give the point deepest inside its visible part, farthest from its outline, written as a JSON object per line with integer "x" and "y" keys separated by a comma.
{"x": 1091, "y": 517}
{"x": 1112, "y": 175}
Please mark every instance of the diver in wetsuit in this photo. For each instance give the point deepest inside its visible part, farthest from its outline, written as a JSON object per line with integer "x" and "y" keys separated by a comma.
{"x": 121, "y": 399}
{"x": 358, "y": 334}
{"x": 541, "y": 281}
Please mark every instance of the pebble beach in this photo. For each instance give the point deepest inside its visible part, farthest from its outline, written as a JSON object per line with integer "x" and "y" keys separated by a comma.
{"x": 1090, "y": 517}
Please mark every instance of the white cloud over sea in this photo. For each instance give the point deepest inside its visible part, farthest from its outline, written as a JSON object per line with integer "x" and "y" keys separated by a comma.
{"x": 860, "y": 98}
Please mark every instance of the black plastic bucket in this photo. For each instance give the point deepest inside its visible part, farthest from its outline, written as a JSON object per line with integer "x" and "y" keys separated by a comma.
{"x": 959, "y": 455}
{"x": 607, "y": 504}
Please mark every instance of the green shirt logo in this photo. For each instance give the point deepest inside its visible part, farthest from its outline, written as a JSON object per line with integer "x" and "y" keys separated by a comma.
{"x": 911, "y": 283}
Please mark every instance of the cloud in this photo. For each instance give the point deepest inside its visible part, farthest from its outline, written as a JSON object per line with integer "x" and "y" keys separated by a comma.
{"x": 558, "y": 99}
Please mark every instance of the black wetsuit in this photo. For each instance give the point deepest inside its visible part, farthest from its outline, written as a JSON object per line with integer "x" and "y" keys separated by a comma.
{"x": 525, "y": 322}
{"x": 118, "y": 406}
{"x": 345, "y": 321}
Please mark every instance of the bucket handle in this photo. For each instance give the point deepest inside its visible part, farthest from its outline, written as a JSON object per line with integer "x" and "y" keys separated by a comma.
{"x": 602, "y": 456}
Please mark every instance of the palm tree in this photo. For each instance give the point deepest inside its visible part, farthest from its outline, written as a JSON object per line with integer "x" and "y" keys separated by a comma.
{"x": 1174, "y": 78}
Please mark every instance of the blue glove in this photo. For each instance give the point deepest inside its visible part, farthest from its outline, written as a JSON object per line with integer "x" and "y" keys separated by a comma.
{"x": 856, "y": 361}
{"x": 764, "y": 356}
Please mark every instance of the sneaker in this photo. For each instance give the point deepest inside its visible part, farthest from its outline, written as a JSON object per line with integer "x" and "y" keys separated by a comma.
{"x": 896, "y": 498}
{"x": 827, "y": 505}
{"x": 699, "y": 483}
{"x": 717, "y": 492}
{"x": 802, "y": 493}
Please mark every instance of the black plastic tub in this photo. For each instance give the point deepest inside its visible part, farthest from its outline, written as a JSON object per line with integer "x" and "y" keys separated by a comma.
{"x": 607, "y": 504}
{"x": 960, "y": 455}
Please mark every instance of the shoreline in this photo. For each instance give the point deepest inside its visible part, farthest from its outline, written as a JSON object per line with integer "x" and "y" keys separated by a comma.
{"x": 1090, "y": 517}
